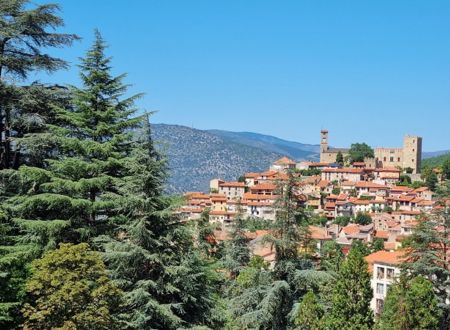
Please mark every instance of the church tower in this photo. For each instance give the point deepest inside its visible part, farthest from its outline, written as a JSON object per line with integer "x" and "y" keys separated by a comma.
{"x": 323, "y": 144}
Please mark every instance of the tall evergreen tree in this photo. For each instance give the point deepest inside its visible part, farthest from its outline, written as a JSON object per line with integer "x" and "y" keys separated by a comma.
{"x": 237, "y": 252}
{"x": 410, "y": 305}
{"x": 290, "y": 231}
{"x": 79, "y": 191}
{"x": 352, "y": 294}
{"x": 309, "y": 315}
{"x": 428, "y": 256}
{"x": 166, "y": 282}
{"x": 24, "y": 33}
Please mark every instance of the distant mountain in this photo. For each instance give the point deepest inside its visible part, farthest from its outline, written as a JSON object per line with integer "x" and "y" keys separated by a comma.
{"x": 196, "y": 156}
{"x": 294, "y": 150}
{"x": 436, "y": 160}
{"x": 430, "y": 154}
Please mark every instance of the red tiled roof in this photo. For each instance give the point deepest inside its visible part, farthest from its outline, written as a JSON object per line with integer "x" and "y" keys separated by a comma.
{"x": 284, "y": 161}
{"x": 264, "y": 186}
{"x": 343, "y": 170}
{"x": 232, "y": 184}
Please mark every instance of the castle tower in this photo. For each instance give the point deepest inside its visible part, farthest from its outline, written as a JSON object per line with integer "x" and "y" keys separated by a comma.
{"x": 412, "y": 152}
{"x": 323, "y": 144}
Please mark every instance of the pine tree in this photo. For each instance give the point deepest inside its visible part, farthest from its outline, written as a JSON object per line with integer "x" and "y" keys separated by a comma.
{"x": 428, "y": 256}
{"x": 78, "y": 192}
{"x": 237, "y": 252}
{"x": 69, "y": 289}
{"x": 309, "y": 315}
{"x": 167, "y": 282}
{"x": 410, "y": 304}
{"x": 340, "y": 158}
{"x": 24, "y": 33}
{"x": 351, "y": 297}
{"x": 290, "y": 230}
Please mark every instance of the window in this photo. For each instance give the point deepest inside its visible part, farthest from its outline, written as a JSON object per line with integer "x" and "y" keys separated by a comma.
{"x": 380, "y": 288}
{"x": 390, "y": 273}
{"x": 379, "y": 305}
{"x": 398, "y": 159}
{"x": 384, "y": 159}
{"x": 391, "y": 159}
{"x": 380, "y": 273}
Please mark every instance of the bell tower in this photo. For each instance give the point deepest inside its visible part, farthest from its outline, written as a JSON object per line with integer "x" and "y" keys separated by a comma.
{"x": 323, "y": 143}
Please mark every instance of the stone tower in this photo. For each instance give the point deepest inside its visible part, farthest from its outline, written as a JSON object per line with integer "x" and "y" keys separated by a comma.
{"x": 323, "y": 144}
{"x": 412, "y": 152}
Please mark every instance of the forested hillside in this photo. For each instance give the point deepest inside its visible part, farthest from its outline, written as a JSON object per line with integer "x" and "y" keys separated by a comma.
{"x": 196, "y": 156}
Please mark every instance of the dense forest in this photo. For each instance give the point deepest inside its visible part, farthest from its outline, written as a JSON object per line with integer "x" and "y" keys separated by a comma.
{"x": 88, "y": 240}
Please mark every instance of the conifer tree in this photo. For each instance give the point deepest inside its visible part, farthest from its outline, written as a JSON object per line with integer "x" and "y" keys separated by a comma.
{"x": 410, "y": 304}
{"x": 24, "y": 33}
{"x": 290, "y": 230}
{"x": 78, "y": 192}
{"x": 428, "y": 256}
{"x": 237, "y": 253}
{"x": 309, "y": 315}
{"x": 351, "y": 297}
{"x": 166, "y": 281}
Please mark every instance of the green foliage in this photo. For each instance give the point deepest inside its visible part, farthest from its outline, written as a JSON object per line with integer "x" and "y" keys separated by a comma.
{"x": 409, "y": 170}
{"x": 237, "y": 252}
{"x": 69, "y": 288}
{"x": 342, "y": 220}
{"x": 351, "y": 297}
{"x": 378, "y": 245}
{"x": 405, "y": 180}
{"x": 363, "y": 218}
{"x": 410, "y": 305}
{"x": 427, "y": 257}
{"x": 361, "y": 247}
{"x": 340, "y": 158}
{"x": 331, "y": 256}
{"x": 309, "y": 313}
{"x": 434, "y": 162}
{"x": 253, "y": 224}
{"x": 310, "y": 172}
{"x": 336, "y": 191}
{"x": 26, "y": 31}
{"x": 359, "y": 151}
{"x": 431, "y": 181}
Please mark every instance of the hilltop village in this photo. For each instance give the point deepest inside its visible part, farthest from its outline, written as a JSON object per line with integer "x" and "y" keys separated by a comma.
{"x": 359, "y": 201}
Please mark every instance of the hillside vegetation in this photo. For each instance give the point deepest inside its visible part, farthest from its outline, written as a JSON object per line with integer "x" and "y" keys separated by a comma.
{"x": 196, "y": 156}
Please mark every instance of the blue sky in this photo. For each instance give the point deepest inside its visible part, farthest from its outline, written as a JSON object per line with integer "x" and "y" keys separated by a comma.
{"x": 369, "y": 71}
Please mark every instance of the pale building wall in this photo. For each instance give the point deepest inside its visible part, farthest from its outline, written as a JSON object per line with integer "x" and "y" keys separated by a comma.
{"x": 389, "y": 157}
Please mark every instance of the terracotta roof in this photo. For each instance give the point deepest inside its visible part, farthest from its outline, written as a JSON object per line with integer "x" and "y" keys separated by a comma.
{"x": 251, "y": 175}
{"x": 366, "y": 184}
{"x": 323, "y": 183}
{"x": 268, "y": 173}
{"x": 351, "y": 229}
{"x": 257, "y": 233}
{"x": 390, "y": 245}
{"x": 319, "y": 233}
{"x": 232, "y": 184}
{"x": 421, "y": 189}
{"x": 264, "y": 186}
{"x": 392, "y": 258}
{"x": 384, "y": 234}
{"x": 343, "y": 170}
{"x": 251, "y": 196}
{"x": 284, "y": 161}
